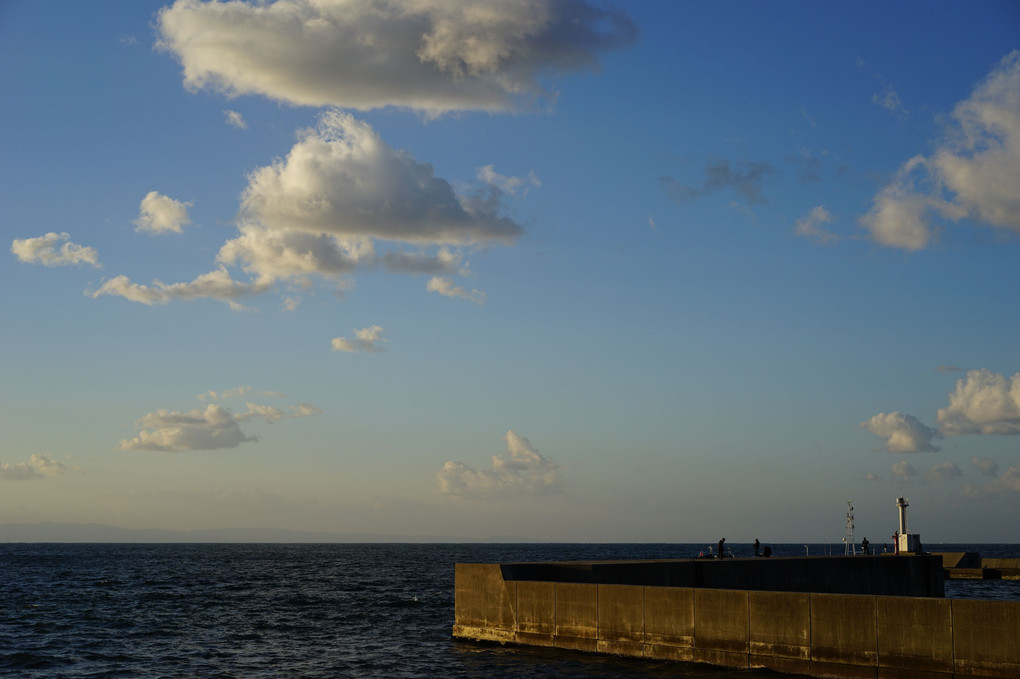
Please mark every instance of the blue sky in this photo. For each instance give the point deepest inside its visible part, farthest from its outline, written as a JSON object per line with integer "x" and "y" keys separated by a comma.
{"x": 566, "y": 270}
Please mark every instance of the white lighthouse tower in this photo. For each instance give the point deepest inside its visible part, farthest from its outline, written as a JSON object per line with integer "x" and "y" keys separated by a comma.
{"x": 906, "y": 542}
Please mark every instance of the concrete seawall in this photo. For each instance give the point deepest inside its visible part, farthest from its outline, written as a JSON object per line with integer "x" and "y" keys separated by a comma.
{"x": 814, "y": 634}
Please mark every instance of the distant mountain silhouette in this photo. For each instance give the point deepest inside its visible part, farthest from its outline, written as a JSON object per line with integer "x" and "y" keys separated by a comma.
{"x": 98, "y": 532}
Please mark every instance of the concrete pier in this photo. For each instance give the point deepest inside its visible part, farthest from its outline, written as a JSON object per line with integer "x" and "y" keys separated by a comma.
{"x": 813, "y": 633}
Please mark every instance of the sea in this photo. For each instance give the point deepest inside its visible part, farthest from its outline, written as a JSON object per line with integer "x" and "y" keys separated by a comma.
{"x": 304, "y": 610}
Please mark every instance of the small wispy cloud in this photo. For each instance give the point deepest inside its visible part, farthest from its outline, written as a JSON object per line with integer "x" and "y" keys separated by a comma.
{"x": 812, "y": 224}
{"x": 368, "y": 340}
{"x": 746, "y": 182}
{"x": 162, "y": 214}
{"x": 447, "y": 288}
{"x": 234, "y": 119}
{"x": 38, "y": 467}
{"x": 944, "y": 471}
{"x": 521, "y": 471}
{"x": 44, "y": 250}
{"x": 903, "y": 433}
{"x": 890, "y": 101}
{"x": 904, "y": 470}
{"x": 213, "y": 427}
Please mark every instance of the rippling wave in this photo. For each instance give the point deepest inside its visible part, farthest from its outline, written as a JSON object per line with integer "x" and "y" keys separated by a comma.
{"x": 199, "y": 610}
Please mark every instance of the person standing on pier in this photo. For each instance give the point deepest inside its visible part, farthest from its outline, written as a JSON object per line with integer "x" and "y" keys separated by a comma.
{"x": 865, "y": 546}
{"x": 721, "y": 552}
{"x": 756, "y": 546}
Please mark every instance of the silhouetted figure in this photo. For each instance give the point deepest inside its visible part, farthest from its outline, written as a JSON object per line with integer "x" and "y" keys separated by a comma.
{"x": 865, "y": 546}
{"x": 767, "y": 552}
{"x": 756, "y": 544}
{"x": 721, "y": 552}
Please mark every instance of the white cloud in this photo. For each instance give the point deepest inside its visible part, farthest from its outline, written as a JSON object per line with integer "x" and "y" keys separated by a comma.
{"x": 235, "y": 119}
{"x": 982, "y": 403}
{"x": 889, "y": 100}
{"x": 903, "y": 433}
{"x": 1009, "y": 482}
{"x": 216, "y": 285}
{"x": 973, "y": 173}
{"x": 944, "y": 471}
{"x": 162, "y": 214}
{"x": 229, "y": 393}
{"x": 367, "y": 339}
{"x": 343, "y": 180}
{"x": 871, "y": 476}
{"x": 445, "y": 287}
{"x": 987, "y": 465}
{"x": 445, "y": 260}
{"x": 431, "y": 55}
{"x": 340, "y": 189}
{"x": 43, "y": 250}
{"x": 38, "y": 466}
{"x": 507, "y": 184}
{"x": 810, "y": 226}
{"x": 903, "y": 470}
{"x": 211, "y": 428}
{"x": 521, "y": 471}
{"x": 720, "y": 175}
{"x": 272, "y": 254}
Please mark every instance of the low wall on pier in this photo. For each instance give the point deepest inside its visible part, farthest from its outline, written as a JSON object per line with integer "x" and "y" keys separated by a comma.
{"x": 809, "y": 633}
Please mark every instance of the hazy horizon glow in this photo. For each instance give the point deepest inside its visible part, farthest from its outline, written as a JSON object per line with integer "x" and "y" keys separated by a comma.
{"x": 559, "y": 269}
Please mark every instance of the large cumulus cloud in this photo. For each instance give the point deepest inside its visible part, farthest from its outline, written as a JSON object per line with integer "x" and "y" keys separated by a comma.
{"x": 973, "y": 173}
{"x": 340, "y": 190}
{"x": 903, "y": 433}
{"x": 521, "y": 471}
{"x": 431, "y": 55}
{"x": 213, "y": 427}
{"x": 982, "y": 403}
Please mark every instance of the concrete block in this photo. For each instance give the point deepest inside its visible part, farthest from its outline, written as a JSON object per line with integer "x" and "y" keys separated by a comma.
{"x": 721, "y": 658}
{"x": 840, "y": 671}
{"x": 482, "y": 598}
{"x": 669, "y": 616}
{"x": 902, "y": 673}
{"x": 585, "y": 645}
{"x": 621, "y": 613}
{"x": 534, "y": 639}
{"x": 632, "y": 649}
{"x": 780, "y": 624}
{"x": 669, "y": 652}
{"x": 779, "y": 664}
{"x": 915, "y": 634}
{"x": 844, "y": 629}
{"x": 577, "y": 613}
{"x": 721, "y": 621}
{"x": 536, "y": 608}
{"x": 986, "y": 637}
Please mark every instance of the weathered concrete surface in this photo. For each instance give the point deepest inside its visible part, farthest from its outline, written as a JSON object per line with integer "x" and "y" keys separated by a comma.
{"x": 986, "y": 639}
{"x": 960, "y": 559}
{"x": 721, "y": 627}
{"x": 577, "y": 616}
{"x": 843, "y": 629}
{"x": 484, "y": 603}
{"x": 780, "y": 631}
{"x": 669, "y": 623}
{"x": 815, "y": 634}
{"x": 915, "y": 634}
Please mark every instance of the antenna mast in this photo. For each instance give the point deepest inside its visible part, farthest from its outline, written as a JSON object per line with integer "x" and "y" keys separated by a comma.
{"x": 849, "y": 547}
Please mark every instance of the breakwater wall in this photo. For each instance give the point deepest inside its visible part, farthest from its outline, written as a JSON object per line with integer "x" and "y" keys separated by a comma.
{"x": 809, "y": 633}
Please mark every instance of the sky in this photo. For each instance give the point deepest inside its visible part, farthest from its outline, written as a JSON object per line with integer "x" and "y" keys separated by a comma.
{"x": 560, "y": 269}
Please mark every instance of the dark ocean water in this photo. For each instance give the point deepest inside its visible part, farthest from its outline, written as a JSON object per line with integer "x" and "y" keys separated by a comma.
{"x": 276, "y": 610}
